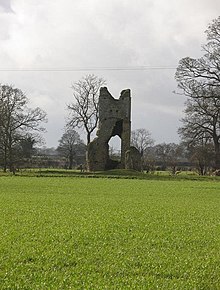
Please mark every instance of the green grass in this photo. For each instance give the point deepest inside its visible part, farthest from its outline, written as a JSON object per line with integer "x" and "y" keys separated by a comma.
{"x": 82, "y": 233}
{"x": 116, "y": 174}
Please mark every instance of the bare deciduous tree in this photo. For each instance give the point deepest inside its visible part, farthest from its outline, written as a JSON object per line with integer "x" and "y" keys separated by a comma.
{"x": 199, "y": 80}
{"x": 84, "y": 109}
{"x": 141, "y": 139}
{"x": 16, "y": 120}
{"x": 201, "y": 155}
{"x": 202, "y": 123}
{"x": 169, "y": 154}
{"x": 199, "y": 77}
{"x": 69, "y": 145}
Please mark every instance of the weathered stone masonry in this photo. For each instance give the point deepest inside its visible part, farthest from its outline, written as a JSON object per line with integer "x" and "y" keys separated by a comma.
{"x": 114, "y": 119}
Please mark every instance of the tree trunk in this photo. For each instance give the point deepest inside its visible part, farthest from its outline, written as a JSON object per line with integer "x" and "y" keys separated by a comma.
{"x": 217, "y": 154}
{"x": 10, "y": 156}
{"x": 5, "y": 162}
{"x": 5, "y": 159}
{"x": 88, "y": 137}
{"x": 217, "y": 157}
{"x": 173, "y": 169}
{"x": 71, "y": 161}
{"x": 201, "y": 168}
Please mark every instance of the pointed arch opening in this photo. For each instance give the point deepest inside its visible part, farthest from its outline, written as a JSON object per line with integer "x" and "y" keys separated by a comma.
{"x": 114, "y": 152}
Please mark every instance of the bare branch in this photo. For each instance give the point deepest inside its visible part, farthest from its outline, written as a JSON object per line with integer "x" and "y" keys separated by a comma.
{"x": 84, "y": 109}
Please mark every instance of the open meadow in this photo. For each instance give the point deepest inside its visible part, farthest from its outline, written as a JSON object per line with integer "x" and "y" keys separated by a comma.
{"x": 103, "y": 233}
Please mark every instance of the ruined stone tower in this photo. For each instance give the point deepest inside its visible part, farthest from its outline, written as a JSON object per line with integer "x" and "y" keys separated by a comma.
{"x": 114, "y": 119}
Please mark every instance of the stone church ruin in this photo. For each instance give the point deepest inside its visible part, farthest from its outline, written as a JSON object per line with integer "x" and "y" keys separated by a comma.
{"x": 114, "y": 120}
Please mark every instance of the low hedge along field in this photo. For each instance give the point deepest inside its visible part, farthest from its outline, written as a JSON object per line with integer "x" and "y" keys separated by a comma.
{"x": 80, "y": 233}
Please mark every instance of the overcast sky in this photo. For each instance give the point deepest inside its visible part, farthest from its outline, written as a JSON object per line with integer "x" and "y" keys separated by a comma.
{"x": 87, "y": 34}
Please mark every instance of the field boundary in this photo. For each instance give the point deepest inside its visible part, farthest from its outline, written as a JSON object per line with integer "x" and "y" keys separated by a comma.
{"x": 111, "y": 174}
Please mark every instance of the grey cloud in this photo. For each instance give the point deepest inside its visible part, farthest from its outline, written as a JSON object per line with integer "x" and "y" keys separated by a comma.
{"x": 6, "y": 6}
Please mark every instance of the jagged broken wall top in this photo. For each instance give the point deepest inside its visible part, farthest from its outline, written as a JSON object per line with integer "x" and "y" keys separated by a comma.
{"x": 114, "y": 108}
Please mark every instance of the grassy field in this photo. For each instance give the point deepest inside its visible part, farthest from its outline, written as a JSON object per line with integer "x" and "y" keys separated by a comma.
{"x": 116, "y": 173}
{"x": 88, "y": 233}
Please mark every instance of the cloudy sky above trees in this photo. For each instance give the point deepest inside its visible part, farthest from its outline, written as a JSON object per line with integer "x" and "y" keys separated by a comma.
{"x": 46, "y": 45}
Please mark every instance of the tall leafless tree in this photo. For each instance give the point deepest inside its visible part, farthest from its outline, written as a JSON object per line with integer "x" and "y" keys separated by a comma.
{"x": 16, "y": 120}
{"x": 141, "y": 139}
{"x": 84, "y": 109}
{"x": 201, "y": 123}
{"x": 199, "y": 80}
{"x": 70, "y": 145}
{"x": 199, "y": 77}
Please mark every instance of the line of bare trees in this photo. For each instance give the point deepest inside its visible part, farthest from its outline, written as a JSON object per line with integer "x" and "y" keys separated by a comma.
{"x": 171, "y": 156}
